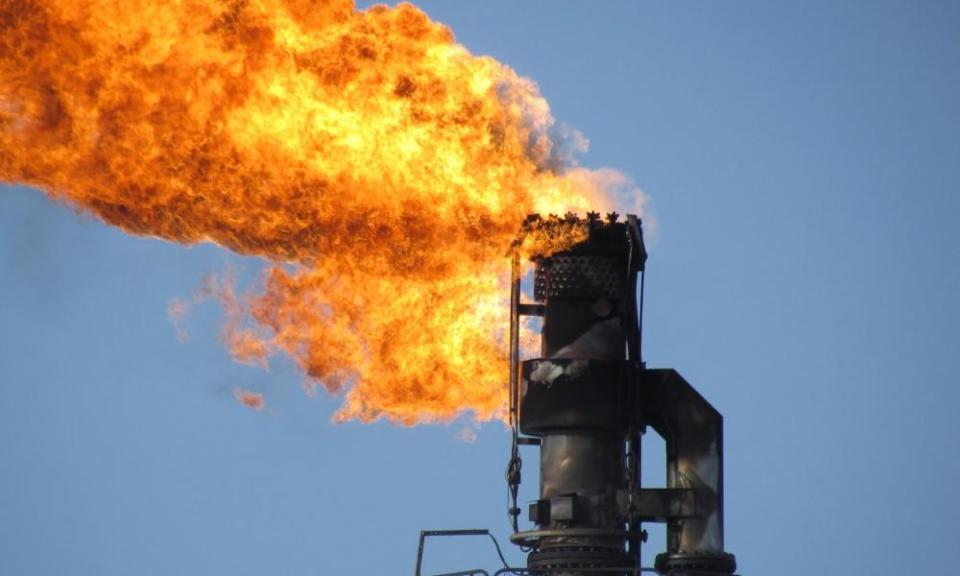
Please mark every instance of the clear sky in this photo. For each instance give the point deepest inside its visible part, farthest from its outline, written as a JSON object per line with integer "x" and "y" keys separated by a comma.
{"x": 803, "y": 162}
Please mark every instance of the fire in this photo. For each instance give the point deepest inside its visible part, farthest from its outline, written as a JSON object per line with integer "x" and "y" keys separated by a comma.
{"x": 381, "y": 168}
{"x": 252, "y": 400}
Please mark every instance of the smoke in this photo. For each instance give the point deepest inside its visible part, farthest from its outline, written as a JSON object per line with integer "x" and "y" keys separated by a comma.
{"x": 468, "y": 434}
{"x": 177, "y": 312}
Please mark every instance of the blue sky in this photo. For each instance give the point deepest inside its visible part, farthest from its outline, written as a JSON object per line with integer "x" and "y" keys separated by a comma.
{"x": 803, "y": 163}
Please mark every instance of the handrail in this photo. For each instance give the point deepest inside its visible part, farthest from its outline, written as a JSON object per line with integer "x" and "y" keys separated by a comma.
{"x": 545, "y": 571}
{"x": 424, "y": 534}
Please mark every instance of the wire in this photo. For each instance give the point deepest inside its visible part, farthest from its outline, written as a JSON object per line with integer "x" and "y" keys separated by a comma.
{"x": 515, "y": 464}
{"x": 643, "y": 276}
{"x": 500, "y": 554}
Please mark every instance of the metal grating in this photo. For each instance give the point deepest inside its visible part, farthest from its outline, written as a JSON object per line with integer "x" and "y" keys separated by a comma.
{"x": 578, "y": 276}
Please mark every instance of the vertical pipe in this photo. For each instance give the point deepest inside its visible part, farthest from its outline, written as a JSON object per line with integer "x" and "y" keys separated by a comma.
{"x": 636, "y": 449}
{"x": 514, "y": 341}
{"x": 643, "y": 275}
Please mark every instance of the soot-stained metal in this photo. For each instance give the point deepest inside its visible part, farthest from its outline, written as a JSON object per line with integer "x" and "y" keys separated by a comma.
{"x": 587, "y": 401}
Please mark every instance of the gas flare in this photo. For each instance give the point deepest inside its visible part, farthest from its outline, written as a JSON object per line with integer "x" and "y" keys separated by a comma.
{"x": 379, "y": 166}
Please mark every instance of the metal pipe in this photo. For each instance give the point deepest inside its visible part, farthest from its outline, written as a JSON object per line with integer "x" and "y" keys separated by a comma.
{"x": 589, "y": 399}
{"x": 514, "y": 338}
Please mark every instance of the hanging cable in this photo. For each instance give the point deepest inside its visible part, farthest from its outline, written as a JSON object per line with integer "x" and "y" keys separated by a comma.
{"x": 643, "y": 275}
{"x": 515, "y": 464}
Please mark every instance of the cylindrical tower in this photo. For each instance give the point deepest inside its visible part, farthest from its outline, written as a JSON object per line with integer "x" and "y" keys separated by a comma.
{"x": 588, "y": 399}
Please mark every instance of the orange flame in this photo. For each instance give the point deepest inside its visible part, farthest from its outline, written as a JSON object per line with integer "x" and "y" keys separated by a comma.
{"x": 252, "y": 400}
{"x": 381, "y": 167}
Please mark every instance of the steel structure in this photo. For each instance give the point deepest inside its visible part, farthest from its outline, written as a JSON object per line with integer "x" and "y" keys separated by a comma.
{"x": 588, "y": 400}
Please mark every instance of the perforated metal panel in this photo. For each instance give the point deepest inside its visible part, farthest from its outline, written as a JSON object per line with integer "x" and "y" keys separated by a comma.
{"x": 578, "y": 276}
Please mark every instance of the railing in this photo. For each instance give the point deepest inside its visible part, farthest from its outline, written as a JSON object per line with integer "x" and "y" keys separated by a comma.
{"x": 545, "y": 571}
{"x": 424, "y": 534}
